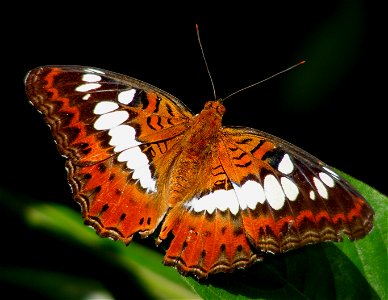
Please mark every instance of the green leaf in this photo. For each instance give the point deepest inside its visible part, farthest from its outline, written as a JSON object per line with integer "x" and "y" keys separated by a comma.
{"x": 143, "y": 265}
{"x": 54, "y": 285}
{"x": 370, "y": 255}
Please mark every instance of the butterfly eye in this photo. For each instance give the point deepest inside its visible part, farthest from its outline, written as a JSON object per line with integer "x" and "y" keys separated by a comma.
{"x": 221, "y": 109}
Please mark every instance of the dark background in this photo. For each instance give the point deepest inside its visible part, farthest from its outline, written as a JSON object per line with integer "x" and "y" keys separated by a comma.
{"x": 332, "y": 106}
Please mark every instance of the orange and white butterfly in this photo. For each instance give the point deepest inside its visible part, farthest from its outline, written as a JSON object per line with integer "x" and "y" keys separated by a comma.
{"x": 138, "y": 160}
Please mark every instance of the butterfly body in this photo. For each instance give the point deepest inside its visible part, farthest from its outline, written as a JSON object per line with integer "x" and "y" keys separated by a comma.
{"x": 139, "y": 160}
{"x": 184, "y": 171}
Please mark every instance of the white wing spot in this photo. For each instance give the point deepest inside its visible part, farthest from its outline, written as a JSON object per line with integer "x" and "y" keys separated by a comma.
{"x": 219, "y": 199}
{"x": 312, "y": 195}
{"x": 111, "y": 120}
{"x": 126, "y": 97}
{"x": 322, "y": 191}
{"x": 86, "y": 97}
{"x": 226, "y": 200}
{"x": 290, "y": 188}
{"x": 273, "y": 192}
{"x": 87, "y": 87}
{"x": 138, "y": 162}
{"x": 134, "y": 157}
{"x": 91, "y": 78}
{"x": 104, "y": 107}
{"x": 249, "y": 194}
{"x": 146, "y": 180}
{"x": 123, "y": 137}
{"x": 286, "y": 166}
{"x": 326, "y": 179}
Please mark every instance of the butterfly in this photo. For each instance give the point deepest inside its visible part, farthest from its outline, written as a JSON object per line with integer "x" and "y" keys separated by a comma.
{"x": 139, "y": 162}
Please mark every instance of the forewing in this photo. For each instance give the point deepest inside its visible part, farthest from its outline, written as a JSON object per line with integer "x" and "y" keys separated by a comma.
{"x": 288, "y": 198}
{"x": 112, "y": 129}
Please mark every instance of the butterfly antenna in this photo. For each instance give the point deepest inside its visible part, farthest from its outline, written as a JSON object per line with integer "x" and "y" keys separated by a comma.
{"x": 261, "y": 81}
{"x": 204, "y": 59}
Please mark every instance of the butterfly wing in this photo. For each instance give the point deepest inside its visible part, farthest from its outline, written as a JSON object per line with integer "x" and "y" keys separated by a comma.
{"x": 261, "y": 194}
{"x": 302, "y": 200}
{"x": 112, "y": 129}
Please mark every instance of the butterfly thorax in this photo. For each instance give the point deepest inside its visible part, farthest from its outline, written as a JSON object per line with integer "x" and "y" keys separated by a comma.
{"x": 205, "y": 129}
{"x": 199, "y": 140}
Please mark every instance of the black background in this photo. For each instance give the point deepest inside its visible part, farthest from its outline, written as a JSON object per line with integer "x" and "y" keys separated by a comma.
{"x": 332, "y": 106}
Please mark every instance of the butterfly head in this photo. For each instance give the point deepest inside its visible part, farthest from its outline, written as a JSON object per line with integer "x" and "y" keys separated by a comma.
{"x": 216, "y": 106}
